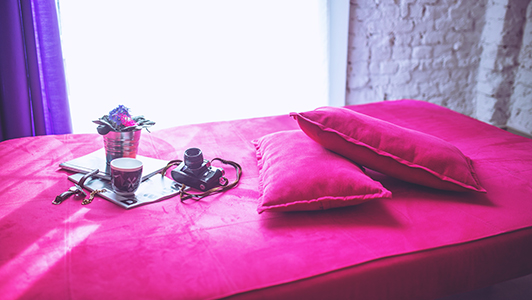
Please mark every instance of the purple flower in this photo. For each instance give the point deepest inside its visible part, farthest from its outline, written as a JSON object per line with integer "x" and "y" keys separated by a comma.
{"x": 121, "y": 117}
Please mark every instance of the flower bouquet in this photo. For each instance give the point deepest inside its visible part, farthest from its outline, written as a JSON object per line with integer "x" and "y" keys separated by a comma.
{"x": 121, "y": 132}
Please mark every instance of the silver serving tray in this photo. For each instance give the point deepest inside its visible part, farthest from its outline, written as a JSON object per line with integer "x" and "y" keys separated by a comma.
{"x": 153, "y": 189}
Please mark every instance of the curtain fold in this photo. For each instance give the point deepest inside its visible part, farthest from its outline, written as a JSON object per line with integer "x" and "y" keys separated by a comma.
{"x": 33, "y": 94}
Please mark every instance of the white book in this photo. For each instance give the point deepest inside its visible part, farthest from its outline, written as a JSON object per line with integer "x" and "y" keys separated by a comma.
{"x": 97, "y": 160}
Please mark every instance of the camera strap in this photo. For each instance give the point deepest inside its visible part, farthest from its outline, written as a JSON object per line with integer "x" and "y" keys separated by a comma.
{"x": 219, "y": 189}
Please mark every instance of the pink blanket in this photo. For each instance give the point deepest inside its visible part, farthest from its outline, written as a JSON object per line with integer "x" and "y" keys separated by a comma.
{"x": 220, "y": 246}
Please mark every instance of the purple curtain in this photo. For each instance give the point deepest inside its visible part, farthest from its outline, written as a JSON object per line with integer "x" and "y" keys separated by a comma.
{"x": 33, "y": 96}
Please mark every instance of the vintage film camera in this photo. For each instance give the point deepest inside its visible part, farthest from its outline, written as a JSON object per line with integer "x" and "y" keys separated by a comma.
{"x": 197, "y": 172}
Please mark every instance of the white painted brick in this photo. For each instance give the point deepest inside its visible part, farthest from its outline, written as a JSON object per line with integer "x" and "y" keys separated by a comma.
{"x": 463, "y": 24}
{"x": 437, "y": 63}
{"x": 397, "y": 90}
{"x": 460, "y": 74}
{"x": 366, "y": 95}
{"x": 456, "y": 13}
{"x": 443, "y": 24}
{"x": 358, "y": 81}
{"x": 423, "y": 64}
{"x": 380, "y": 80}
{"x": 358, "y": 68}
{"x": 407, "y": 66}
{"x": 367, "y": 14}
{"x": 469, "y": 62}
{"x": 380, "y": 40}
{"x": 361, "y": 53}
{"x": 477, "y": 10}
{"x": 428, "y": 89}
{"x": 374, "y": 27}
{"x": 443, "y": 50}
{"x": 524, "y": 77}
{"x": 452, "y": 37}
{"x": 389, "y": 67}
{"x": 440, "y": 75}
{"x": 404, "y": 40}
{"x": 401, "y": 52}
{"x": 421, "y": 52}
{"x": 357, "y": 41}
{"x": 404, "y": 26}
{"x": 465, "y": 54}
{"x": 433, "y": 38}
{"x": 374, "y": 68}
{"x": 447, "y": 87}
{"x": 381, "y": 52}
{"x": 450, "y": 62}
{"x": 390, "y": 11}
{"x": 420, "y": 76}
{"x": 401, "y": 78}
{"x": 416, "y": 39}
{"x": 423, "y": 26}
{"x": 415, "y": 12}
{"x": 431, "y": 12}
{"x": 430, "y": 64}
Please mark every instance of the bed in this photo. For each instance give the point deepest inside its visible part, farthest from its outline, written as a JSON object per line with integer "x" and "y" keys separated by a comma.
{"x": 418, "y": 243}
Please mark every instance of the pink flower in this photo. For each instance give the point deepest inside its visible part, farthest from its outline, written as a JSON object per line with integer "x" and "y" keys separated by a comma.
{"x": 127, "y": 121}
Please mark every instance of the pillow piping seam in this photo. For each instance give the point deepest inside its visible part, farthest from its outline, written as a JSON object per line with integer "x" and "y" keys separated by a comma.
{"x": 401, "y": 160}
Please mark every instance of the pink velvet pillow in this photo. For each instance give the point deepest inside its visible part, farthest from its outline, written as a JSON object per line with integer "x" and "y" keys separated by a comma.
{"x": 296, "y": 173}
{"x": 402, "y": 153}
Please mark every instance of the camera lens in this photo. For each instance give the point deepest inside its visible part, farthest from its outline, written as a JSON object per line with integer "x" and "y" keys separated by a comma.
{"x": 193, "y": 158}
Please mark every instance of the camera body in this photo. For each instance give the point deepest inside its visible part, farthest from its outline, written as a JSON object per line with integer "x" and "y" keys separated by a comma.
{"x": 197, "y": 172}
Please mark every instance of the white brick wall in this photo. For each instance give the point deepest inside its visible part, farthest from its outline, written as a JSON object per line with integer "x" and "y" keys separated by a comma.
{"x": 461, "y": 54}
{"x": 521, "y": 100}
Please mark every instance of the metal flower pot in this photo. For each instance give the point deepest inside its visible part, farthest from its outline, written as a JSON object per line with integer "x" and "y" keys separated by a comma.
{"x": 121, "y": 144}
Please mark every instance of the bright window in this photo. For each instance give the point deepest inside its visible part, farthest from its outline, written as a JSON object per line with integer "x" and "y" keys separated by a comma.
{"x": 182, "y": 62}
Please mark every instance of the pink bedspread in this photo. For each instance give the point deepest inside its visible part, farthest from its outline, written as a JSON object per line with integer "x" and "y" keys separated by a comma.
{"x": 220, "y": 246}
